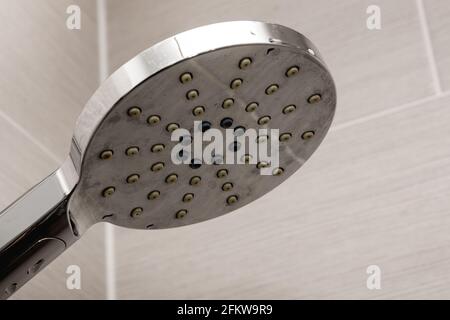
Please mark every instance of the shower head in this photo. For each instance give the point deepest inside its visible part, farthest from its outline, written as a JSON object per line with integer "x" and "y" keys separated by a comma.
{"x": 233, "y": 76}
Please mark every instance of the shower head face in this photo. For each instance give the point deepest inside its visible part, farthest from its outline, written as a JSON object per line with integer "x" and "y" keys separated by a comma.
{"x": 127, "y": 176}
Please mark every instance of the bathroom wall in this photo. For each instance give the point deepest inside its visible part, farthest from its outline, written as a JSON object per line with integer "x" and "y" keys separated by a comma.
{"x": 48, "y": 73}
{"x": 377, "y": 192}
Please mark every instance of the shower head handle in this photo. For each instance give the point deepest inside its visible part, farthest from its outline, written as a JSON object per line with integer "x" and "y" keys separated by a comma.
{"x": 36, "y": 228}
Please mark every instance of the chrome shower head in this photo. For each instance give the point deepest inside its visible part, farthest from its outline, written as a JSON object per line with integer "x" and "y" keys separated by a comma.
{"x": 228, "y": 76}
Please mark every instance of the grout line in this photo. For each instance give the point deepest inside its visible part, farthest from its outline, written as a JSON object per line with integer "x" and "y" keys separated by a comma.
{"x": 102, "y": 41}
{"x": 30, "y": 137}
{"x": 110, "y": 262}
{"x": 429, "y": 47}
{"x": 402, "y": 107}
{"x": 110, "y": 255}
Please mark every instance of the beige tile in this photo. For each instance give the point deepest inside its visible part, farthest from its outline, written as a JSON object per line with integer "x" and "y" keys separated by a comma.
{"x": 375, "y": 193}
{"x": 437, "y": 12}
{"x": 374, "y": 70}
{"x": 23, "y": 165}
{"x": 22, "y": 162}
{"x": 48, "y": 71}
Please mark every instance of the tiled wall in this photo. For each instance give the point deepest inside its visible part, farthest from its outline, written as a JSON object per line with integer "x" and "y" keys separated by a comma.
{"x": 437, "y": 13}
{"x": 376, "y": 192}
{"x": 48, "y": 73}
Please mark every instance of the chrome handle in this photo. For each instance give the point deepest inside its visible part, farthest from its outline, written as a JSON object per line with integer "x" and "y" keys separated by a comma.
{"x": 34, "y": 230}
